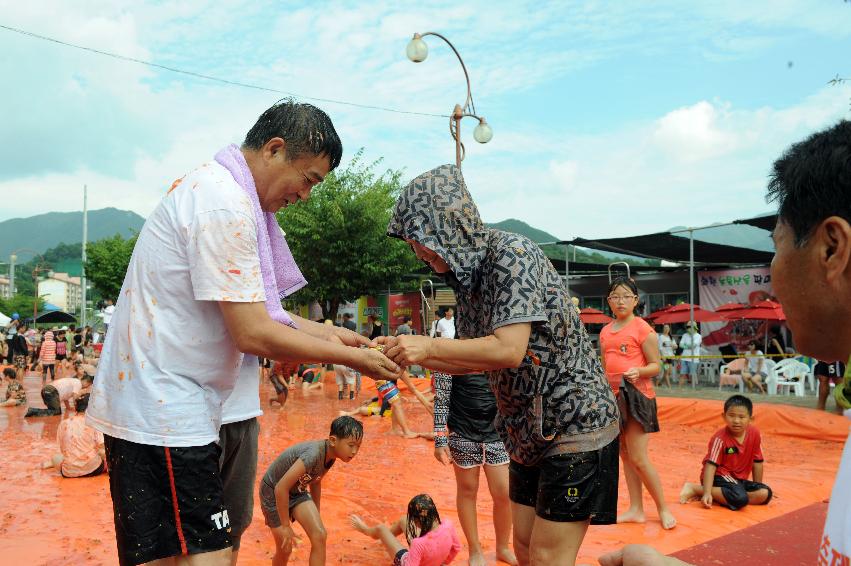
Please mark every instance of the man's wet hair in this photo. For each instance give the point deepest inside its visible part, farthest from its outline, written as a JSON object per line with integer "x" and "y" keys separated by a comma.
{"x": 82, "y": 403}
{"x": 812, "y": 181}
{"x": 739, "y": 401}
{"x": 305, "y": 128}
{"x": 346, "y": 427}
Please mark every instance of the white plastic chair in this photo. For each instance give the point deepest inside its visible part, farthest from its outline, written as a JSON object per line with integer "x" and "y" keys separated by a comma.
{"x": 709, "y": 370}
{"x": 724, "y": 376}
{"x": 788, "y": 375}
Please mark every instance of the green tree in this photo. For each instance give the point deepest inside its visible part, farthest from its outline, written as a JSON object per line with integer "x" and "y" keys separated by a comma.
{"x": 106, "y": 264}
{"x": 21, "y": 304}
{"x": 338, "y": 237}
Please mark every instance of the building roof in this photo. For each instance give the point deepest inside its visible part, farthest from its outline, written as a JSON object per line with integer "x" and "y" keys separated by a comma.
{"x": 664, "y": 245}
{"x": 766, "y": 222}
{"x": 65, "y": 278}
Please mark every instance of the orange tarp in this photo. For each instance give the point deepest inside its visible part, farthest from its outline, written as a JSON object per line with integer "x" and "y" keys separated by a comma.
{"x": 48, "y": 519}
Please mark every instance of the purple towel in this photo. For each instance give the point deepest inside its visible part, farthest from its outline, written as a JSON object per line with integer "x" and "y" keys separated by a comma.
{"x": 281, "y": 275}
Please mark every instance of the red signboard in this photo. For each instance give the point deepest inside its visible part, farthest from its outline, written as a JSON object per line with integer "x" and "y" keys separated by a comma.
{"x": 405, "y": 304}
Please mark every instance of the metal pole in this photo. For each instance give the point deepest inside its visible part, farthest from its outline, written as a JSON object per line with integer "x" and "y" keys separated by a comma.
{"x": 457, "y": 114}
{"x": 691, "y": 276}
{"x": 12, "y": 258}
{"x": 567, "y": 268}
{"x": 83, "y": 319}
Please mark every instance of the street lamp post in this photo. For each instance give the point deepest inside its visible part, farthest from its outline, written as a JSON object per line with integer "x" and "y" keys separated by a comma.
{"x": 417, "y": 51}
{"x": 12, "y": 259}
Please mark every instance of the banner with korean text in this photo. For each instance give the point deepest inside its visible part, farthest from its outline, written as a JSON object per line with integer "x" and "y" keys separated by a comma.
{"x": 722, "y": 286}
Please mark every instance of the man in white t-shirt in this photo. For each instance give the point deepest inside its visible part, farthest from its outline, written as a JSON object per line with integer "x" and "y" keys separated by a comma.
{"x": 446, "y": 325}
{"x": 811, "y": 275}
{"x": 108, "y": 311}
{"x": 690, "y": 343}
{"x": 193, "y": 301}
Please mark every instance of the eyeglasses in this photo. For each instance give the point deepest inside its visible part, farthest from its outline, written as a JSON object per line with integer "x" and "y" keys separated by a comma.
{"x": 620, "y": 299}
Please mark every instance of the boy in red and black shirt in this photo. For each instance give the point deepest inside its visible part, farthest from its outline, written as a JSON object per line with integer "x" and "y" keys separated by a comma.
{"x": 734, "y": 454}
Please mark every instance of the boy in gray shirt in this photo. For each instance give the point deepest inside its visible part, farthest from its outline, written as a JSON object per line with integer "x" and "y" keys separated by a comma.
{"x": 284, "y": 493}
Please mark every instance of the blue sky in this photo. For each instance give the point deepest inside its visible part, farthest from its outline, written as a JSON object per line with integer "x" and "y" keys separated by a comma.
{"x": 609, "y": 118}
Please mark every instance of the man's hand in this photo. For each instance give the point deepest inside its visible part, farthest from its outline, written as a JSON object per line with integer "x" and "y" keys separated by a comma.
{"x": 410, "y": 349}
{"x": 707, "y": 499}
{"x": 347, "y": 337}
{"x": 441, "y": 454}
{"x": 376, "y": 365}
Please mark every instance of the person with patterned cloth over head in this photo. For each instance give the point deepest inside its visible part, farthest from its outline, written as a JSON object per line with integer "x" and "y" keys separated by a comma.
{"x": 556, "y": 413}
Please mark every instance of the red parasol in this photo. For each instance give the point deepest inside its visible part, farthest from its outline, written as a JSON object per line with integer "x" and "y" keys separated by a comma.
{"x": 762, "y": 310}
{"x": 594, "y": 316}
{"x": 732, "y": 307}
{"x": 682, "y": 313}
{"x": 653, "y": 315}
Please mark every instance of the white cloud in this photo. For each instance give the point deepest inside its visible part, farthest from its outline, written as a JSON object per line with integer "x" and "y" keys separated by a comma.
{"x": 694, "y": 133}
{"x": 128, "y": 130}
{"x": 710, "y": 164}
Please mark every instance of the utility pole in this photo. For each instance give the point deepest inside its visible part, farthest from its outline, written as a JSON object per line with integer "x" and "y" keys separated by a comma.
{"x": 12, "y": 259}
{"x": 83, "y": 320}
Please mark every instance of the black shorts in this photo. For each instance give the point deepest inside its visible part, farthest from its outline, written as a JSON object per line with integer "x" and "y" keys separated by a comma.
{"x": 166, "y": 501}
{"x": 98, "y": 471}
{"x": 50, "y": 396}
{"x": 280, "y": 386}
{"x": 569, "y": 487}
{"x": 829, "y": 370}
{"x": 269, "y": 504}
{"x": 60, "y": 357}
{"x": 736, "y": 491}
{"x": 238, "y": 464}
{"x": 632, "y": 404}
{"x": 312, "y": 375}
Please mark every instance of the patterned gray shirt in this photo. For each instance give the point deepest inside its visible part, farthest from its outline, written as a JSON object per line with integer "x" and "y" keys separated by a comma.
{"x": 559, "y": 394}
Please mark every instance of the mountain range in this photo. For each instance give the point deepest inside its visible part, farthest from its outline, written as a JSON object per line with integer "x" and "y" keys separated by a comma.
{"x": 44, "y": 231}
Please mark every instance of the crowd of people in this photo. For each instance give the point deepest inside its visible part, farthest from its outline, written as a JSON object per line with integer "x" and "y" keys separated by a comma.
{"x": 518, "y": 390}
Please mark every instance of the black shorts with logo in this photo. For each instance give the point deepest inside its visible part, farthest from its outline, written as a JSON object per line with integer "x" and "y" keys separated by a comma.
{"x": 570, "y": 487}
{"x": 735, "y": 491}
{"x": 166, "y": 501}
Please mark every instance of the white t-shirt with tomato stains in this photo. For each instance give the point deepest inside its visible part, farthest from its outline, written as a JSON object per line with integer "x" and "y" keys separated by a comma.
{"x": 169, "y": 362}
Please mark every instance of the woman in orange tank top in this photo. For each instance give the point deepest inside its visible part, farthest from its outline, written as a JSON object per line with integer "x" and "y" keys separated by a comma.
{"x": 630, "y": 353}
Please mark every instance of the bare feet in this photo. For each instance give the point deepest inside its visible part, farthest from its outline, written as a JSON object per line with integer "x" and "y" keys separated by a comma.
{"x": 506, "y": 555}
{"x": 404, "y": 434}
{"x": 667, "y": 518}
{"x": 632, "y": 516}
{"x": 688, "y": 493}
{"x": 361, "y": 527}
{"x": 477, "y": 558}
